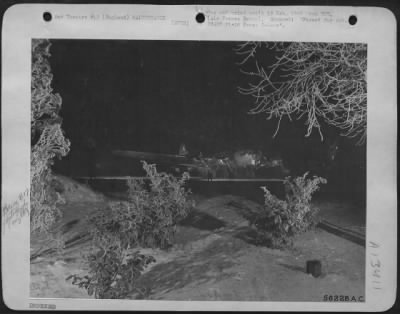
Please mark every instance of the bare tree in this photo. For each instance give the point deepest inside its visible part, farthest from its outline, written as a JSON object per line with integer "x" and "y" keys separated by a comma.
{"x": 316, "y": 81}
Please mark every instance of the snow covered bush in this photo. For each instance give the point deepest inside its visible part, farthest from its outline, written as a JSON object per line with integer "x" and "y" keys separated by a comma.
{"x": 161, "y": 208}
{"x": 148, "y": 219}
{"x": 281, "y": 220}
{"x": 47, "y": 139}
{"x": 150, "y": 216}
{"x": 113, "y": 274}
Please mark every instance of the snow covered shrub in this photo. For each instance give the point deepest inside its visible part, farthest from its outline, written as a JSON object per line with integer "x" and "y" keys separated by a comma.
{"x": 44, "y": 199}
{"x": 47, "y": 139}
{"x": 149, "y": 218}
{"x": 161, "y": 208}
{"x": 113, "y": 268}
{"x": 113, "y": 274}
{"x": 281, "y": 220}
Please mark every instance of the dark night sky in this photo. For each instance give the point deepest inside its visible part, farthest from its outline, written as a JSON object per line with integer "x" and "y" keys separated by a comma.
{"x": 153, "y": 95}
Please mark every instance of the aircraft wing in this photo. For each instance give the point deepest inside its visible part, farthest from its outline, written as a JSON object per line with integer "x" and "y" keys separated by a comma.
{"x": 147, "y": 155}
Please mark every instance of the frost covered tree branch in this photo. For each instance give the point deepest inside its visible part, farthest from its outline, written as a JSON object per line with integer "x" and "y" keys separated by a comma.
{"x": 315, "y": 81}
{"x": 47, "y": 139}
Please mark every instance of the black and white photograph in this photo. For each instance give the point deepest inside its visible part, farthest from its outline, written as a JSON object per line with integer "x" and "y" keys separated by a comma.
{"x": 198, "y": 170}
{"x": 213, "y": 157}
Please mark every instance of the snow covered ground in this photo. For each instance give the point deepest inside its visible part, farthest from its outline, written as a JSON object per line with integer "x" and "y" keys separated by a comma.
{"x": 214, "y": 256}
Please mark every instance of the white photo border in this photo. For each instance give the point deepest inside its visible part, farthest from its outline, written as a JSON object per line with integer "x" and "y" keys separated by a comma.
{"x": 376, "y": 27}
